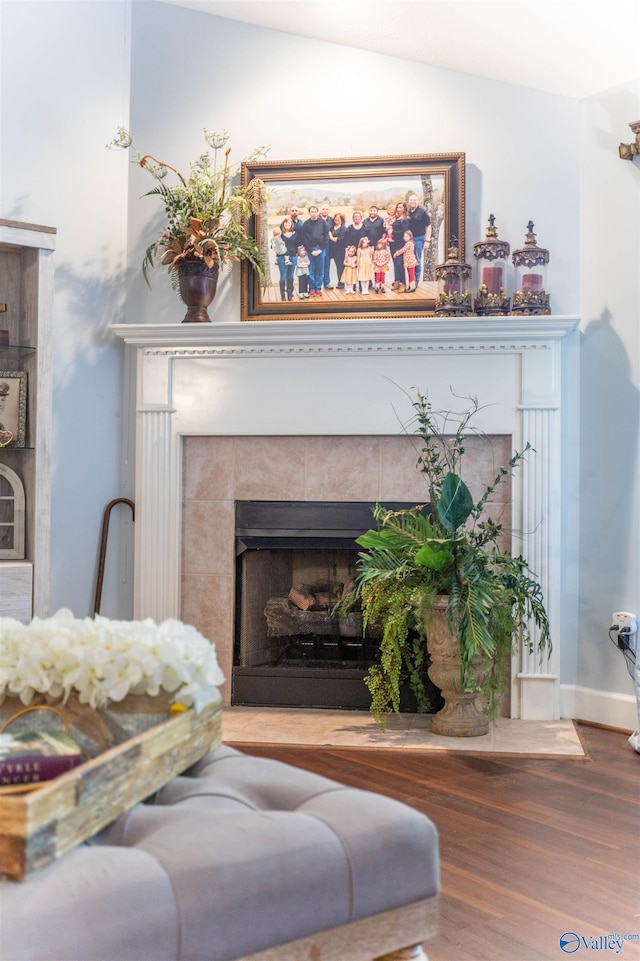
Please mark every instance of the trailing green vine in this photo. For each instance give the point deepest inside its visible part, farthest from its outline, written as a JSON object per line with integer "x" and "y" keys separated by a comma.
{"x": 401, "y": 657}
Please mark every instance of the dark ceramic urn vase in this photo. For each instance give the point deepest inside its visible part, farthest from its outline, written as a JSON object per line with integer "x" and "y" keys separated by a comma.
{"x": 197, "y": 284}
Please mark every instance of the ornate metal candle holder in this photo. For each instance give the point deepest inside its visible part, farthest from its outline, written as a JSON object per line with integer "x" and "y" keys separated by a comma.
{"x": 492, "y": 259}
{"x": 454, "y": 296}
{"x": 531, "y": 262}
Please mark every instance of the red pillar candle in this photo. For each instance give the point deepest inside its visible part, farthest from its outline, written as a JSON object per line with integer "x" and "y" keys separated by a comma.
{"x": 451, "y": 284}
{"x": 492, "y": 279}
{"x": 532, "y": 283}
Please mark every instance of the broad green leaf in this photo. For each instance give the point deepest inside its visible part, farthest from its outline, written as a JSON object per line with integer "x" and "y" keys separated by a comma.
{"x": 435, "y": 560}
{"x": 455, "y": 503}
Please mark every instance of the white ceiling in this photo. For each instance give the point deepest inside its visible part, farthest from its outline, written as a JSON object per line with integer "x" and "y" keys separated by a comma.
{"x": 570, "y": 47}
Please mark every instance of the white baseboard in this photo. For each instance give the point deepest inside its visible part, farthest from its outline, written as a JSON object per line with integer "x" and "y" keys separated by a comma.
{"x": 599, "y": 707}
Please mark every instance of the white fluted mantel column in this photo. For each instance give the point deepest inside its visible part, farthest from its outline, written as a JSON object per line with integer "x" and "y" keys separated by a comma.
{"x": 157, "y": 564}
{"x": 538, "y": 690}
{"x": 347, "y": 377}
{"x": 539, "y": 674}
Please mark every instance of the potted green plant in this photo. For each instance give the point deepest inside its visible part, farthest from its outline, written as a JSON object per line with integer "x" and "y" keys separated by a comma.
{"x": 207, "y": 213}
{"x": 436, "y": 572}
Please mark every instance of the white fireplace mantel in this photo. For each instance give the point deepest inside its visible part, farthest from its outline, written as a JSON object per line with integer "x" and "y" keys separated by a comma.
{"x": 430, "y": 333}
{"x": 345, "y": 377}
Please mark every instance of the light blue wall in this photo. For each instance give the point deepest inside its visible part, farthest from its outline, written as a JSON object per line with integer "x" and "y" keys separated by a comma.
{"x": 610, "y": 371}
{"x": 529, "y": 155}
{"x": 65, "y": 86}
{"x": 309, "y": 99}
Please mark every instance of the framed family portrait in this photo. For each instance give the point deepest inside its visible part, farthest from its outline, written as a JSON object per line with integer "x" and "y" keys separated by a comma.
{"x": 353, "y": 237}
{"x": 13, "y": 408}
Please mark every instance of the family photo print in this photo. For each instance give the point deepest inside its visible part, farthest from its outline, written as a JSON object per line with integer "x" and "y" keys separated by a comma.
{"x": 353, "y": 236}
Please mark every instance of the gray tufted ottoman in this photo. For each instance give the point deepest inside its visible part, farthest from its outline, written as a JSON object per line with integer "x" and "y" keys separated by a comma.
{"x": 239, "y": 858}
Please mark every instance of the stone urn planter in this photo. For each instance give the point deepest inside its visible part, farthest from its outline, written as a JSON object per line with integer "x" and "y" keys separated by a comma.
{"x": 462, "y": 714}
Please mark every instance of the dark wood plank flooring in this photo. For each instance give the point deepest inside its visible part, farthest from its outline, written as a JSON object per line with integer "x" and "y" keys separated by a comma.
{"x": 530, "y": 848}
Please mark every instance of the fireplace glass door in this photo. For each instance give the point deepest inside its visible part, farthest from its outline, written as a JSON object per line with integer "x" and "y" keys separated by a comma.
{"x": 295, "y": 563}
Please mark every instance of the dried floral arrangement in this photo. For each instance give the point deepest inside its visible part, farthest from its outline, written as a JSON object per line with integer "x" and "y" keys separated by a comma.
{"x": 207, "y": 210}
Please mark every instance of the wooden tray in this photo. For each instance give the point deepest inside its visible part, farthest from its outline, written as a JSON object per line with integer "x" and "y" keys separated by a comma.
{"x": 39, "y": 826}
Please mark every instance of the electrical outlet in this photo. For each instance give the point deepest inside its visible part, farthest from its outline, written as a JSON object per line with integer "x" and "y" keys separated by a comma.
{"x": 625, "y": 622}
{"x": 626, "y": 625}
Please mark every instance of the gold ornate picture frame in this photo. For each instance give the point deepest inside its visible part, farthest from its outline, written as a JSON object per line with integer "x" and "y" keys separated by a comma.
{"x": 436, "y": 182}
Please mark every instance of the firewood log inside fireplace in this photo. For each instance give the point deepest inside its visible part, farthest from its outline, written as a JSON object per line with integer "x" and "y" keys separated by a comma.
{"x": 301, "y": 598}
{"x": 316, "y": 597}
{"x": 309, "y": 609}
{"x": 286, "y": 620}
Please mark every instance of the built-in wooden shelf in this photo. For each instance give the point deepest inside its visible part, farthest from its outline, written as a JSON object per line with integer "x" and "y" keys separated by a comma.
{"x": 26, "y": 281}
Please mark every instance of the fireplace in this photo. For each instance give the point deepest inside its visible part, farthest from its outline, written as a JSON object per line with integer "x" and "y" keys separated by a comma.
{"x": 294, "y": 646}
{"x": 312, "y": 389}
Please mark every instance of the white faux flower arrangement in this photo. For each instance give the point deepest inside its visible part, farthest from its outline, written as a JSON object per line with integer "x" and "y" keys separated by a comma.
{"x": 102, "y": 660}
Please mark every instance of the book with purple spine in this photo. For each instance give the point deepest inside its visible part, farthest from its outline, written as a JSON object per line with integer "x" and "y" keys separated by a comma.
{"x": 33, "y": 756}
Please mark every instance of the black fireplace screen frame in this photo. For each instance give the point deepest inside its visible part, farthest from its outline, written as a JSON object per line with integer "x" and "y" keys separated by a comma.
{"x": 294, "y": 525}
{"x": 311, "y": 524}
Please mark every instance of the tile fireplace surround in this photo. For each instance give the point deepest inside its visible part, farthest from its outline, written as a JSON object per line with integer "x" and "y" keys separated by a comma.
{"x": 218, "y": 403}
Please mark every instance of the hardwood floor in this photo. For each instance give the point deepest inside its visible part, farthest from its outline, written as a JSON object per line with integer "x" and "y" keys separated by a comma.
{"x": 530, "y": 848}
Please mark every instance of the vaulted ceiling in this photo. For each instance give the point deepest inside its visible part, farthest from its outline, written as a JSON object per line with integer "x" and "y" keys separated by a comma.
{"x": 574, "y": 48}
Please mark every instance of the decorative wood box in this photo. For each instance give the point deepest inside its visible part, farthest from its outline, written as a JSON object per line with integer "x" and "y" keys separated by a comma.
{"x": 38, "y": 826}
